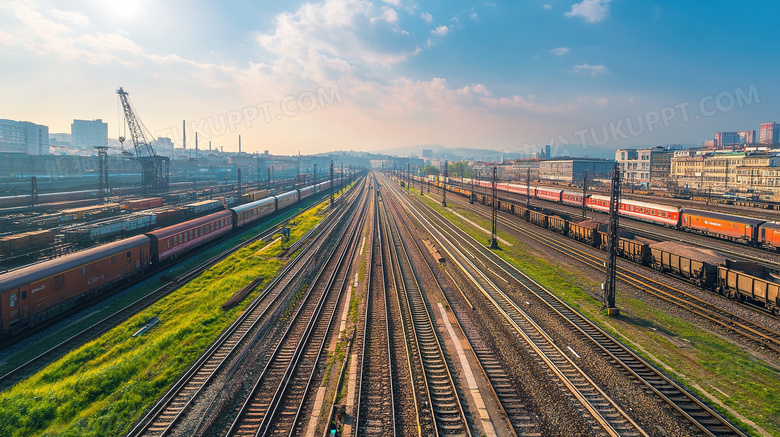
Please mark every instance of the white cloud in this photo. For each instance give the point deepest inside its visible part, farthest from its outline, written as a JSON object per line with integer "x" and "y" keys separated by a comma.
{"x": 393, "y": 2}
{"x": 560, "y": 51}
{"x": 388, "y": 14}
{"x": 548, "y": 7}
{"x": 441, "y": 31}
{"x": 593, "y": 70}
{"x": 427, "y": 17}
{"x": 591, "y": 11}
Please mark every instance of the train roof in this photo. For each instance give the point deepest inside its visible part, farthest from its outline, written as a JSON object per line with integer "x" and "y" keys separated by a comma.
{"x": 43, "y": 270}
{"x": 650, "y": 205}
{"x": 251, "y": 205}
{"x": 771, "y": 225}
{"x": 185, "y": 226}
{"x": 721, "y": 216}
{"x": 289, "y": 193}
{"x": 552, "y": 189}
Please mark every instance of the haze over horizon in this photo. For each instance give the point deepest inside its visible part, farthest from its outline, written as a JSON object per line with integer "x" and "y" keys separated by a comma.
{"x": 583, "y": 76}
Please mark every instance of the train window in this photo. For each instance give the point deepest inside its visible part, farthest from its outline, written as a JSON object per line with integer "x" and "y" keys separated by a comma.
{"x": 24, "y": 294}
{"x": 12, "y": 300}
{"x": 168, "y": 243}
{"x": 59, "y": 279}
{"x": 82, "y": 271}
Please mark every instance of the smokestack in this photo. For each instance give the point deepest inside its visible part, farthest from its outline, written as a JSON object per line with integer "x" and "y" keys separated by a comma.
{"x": 209, "y": 145}
{"x": 196, "y": 145}
{"x": 239, "y": 144}
{"x": 184, "y": 134}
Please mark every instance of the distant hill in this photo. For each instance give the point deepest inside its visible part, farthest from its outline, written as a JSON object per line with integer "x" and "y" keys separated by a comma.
{"x": 456, "y": 153}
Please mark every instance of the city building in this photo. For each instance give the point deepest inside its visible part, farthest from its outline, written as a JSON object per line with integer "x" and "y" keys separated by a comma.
{"x": 727, "y": 139}
{"x": 646, "y": 167}
{"x": 89, "y": 133}
{"x": 163, "y": 143}
{"x": 687, "y": 170}
{"x": 747, "y": 137}
{"x": 709, "y": 143}
{"x": 770, "y": 133}
{"x": 23, "y": 137}
{"x": 571, "y": 171}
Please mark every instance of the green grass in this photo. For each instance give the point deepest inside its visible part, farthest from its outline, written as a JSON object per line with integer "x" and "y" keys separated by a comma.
{"x": 699, "y": 360}
{"x": 102, "y": 387}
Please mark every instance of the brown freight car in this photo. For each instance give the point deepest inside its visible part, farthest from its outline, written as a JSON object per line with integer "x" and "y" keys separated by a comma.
{"x": 587, "y": 232}
{"x": 538, "y": 218}
{"x": 558, "y": 224}
{"x": 33, "y": 294}
{"x": 20, "y": 243}
{"x": 740, "y": 286}
{"x": 139, "y": 204}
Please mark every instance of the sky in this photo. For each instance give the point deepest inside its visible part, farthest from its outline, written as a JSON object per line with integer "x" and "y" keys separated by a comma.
{"x": 585, "y": 76}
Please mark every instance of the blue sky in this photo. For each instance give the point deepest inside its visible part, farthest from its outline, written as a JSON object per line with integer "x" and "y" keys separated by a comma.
{"x": 585, "y": 76}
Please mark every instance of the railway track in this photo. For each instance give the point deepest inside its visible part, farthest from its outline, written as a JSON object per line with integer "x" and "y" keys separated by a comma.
{"x": 439, "y": 407}
{"x": 233, "y": 346}
{"x": 747, "y": 329}
{"x": 28, "y": 368}
{"x": 633, "y": 367}
{"x": 597, "y": 407}
{"x": 275, "y": 401}
{"x": 376, "y": 402}
{"x": 512, "y": 405}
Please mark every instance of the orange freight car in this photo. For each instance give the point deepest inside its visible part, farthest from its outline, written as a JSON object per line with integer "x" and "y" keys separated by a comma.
{"x": 726, "y": 226}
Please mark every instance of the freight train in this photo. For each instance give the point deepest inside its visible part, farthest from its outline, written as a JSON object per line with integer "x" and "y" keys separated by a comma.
{"x": 35, "y": 294}
{"x": 739, "y": 229}
{"x": 740, "y": 281}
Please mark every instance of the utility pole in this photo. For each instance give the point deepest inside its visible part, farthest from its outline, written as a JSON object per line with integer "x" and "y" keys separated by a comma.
{"x": 528, "y": 189}
{"x": 444, "y": 186}
{"x": 584, "y": 191}
{"x": 408, "y": 178}
{"x": 269, "y": 177}
{"x": 103, "y": 172}
{"x": 33, "y": 192}
{"x": 471, "y": 196}
{"x": 609, "y": 287}
{"x": 315, "y": 177}
{"x": 239, "y": 181}
{"x": 331, "y": 182}
{"x": 493, "y": 239}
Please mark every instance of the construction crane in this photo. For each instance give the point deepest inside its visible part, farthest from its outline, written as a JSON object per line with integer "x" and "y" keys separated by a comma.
{"x": 155, "y": 168}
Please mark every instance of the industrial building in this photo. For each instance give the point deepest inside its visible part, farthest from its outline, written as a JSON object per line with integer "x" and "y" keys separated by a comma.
{"x": 89, "y": 133}
{"x": 23, "y": 137}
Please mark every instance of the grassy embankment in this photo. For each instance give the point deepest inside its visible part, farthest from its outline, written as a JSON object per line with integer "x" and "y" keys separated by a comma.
{"x": 742, "y": 387}
{"x": 101, "y": 388}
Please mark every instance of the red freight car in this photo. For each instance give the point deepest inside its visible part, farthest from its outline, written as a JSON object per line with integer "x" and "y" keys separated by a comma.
{"x": 727, "y": 226}
{"x": 171, "y": 241}
{"x": 139, "y": 204}
{"x": 33, "y": 294}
